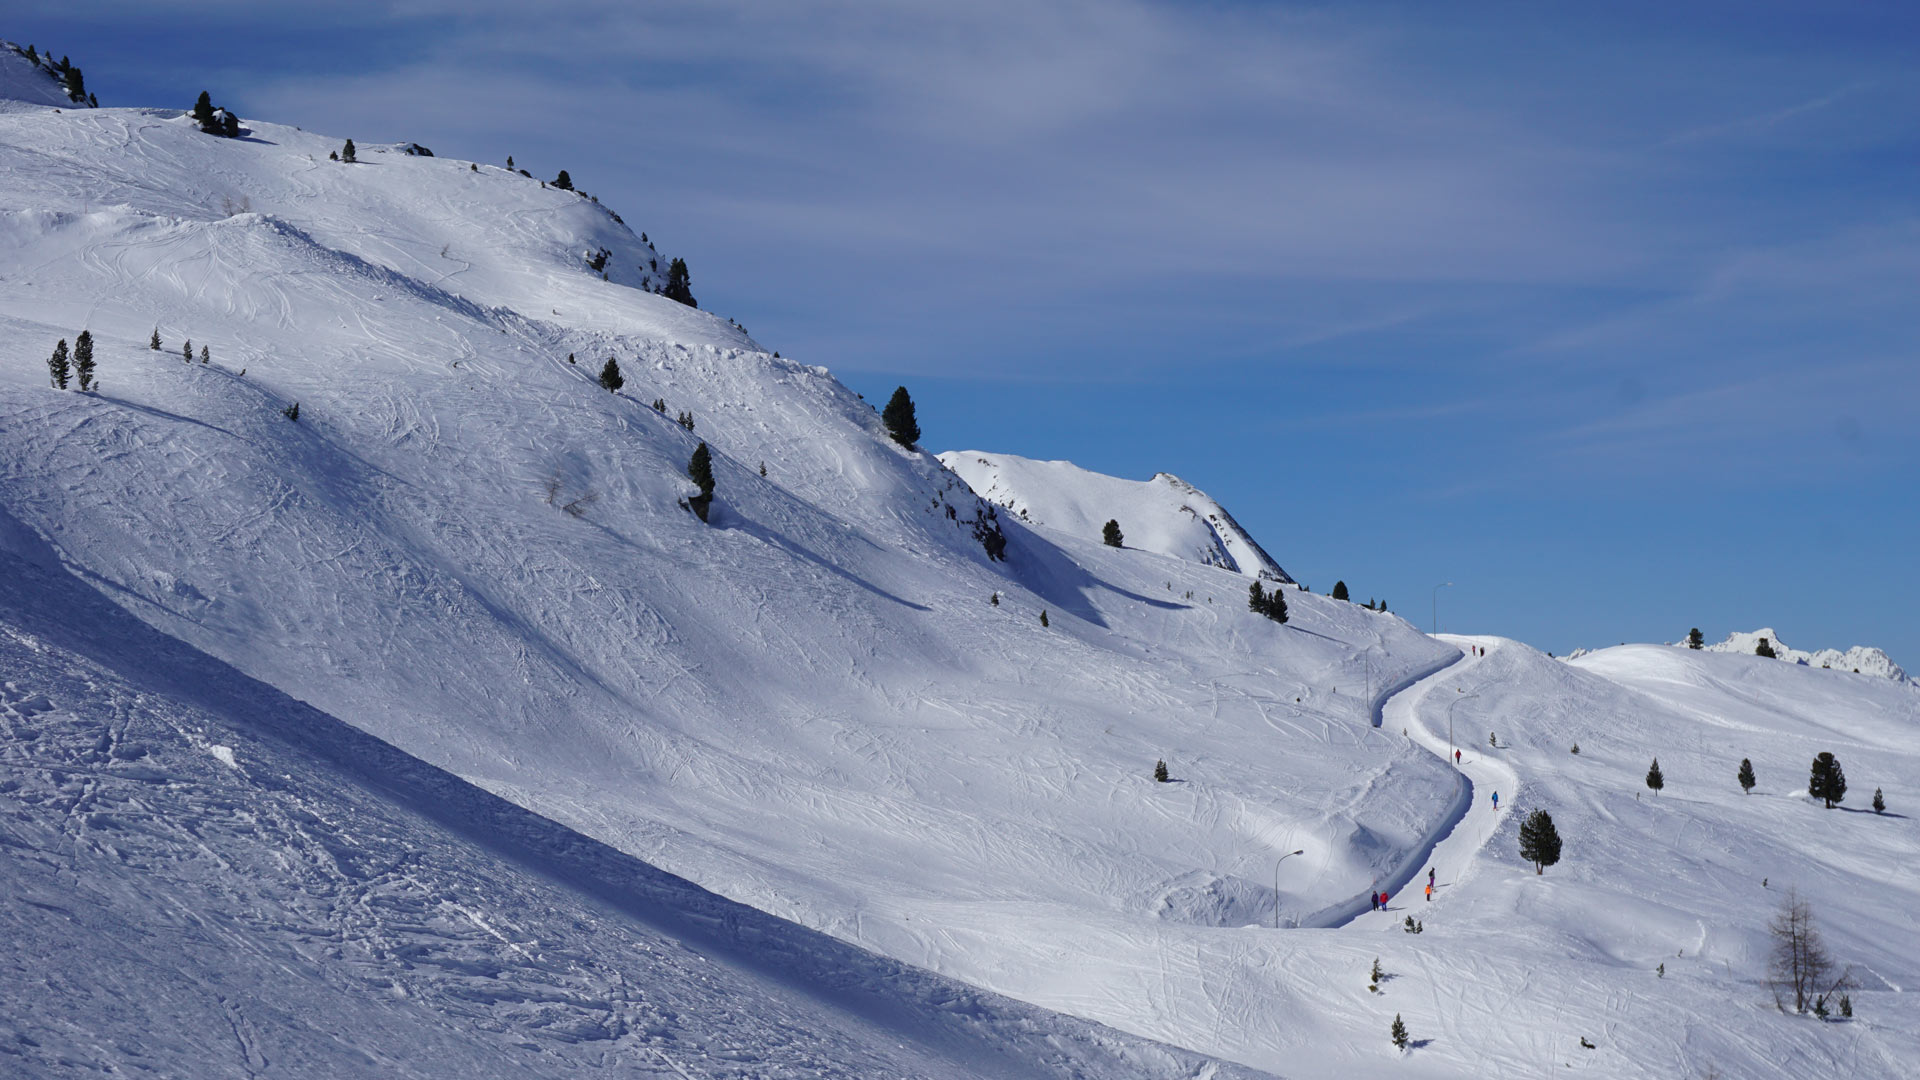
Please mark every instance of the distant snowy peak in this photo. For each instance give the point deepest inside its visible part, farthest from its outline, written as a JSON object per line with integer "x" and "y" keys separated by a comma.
{"x": 1861, "y": 658}
{"x": 1165, "y": 515}
{"x": 39, "y": 79}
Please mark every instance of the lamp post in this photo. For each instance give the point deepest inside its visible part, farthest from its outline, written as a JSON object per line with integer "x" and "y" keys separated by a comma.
{"x": 1276, "y": 886}
{"x": 1450, "y": 706}
{"x": 1436, "y": 603}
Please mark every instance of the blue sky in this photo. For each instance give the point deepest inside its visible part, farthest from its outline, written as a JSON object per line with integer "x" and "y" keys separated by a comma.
{"x": 1611, "y": 317}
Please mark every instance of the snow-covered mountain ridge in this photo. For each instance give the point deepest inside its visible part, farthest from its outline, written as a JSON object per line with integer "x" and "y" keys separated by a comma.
{"x": 811, "y": 704}
{"x": 1165, "y": 514}
{"x": 1861, "y": 659}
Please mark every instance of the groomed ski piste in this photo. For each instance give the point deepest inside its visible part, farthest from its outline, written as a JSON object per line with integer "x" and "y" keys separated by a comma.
{"x": 811, "y": 705}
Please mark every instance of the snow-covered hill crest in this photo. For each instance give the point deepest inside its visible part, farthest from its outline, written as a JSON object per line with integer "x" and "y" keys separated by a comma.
{"x": 37, "y": 79}
{"x": 1165, "y": 514}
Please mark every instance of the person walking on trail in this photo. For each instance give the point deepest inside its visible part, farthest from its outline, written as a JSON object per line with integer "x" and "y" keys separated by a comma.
{"x": 1429, "y": 877}
{"x": 1383, "y": 900}
{"x": 1374, "y": 899}
{"x": 1496, "y": 802}
{"x": 1456, "y": 757}
{"x": 1429, "y": 892}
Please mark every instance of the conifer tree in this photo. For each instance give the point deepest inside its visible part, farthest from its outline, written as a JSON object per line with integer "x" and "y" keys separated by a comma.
{"x": 1879, "y": 802}
{"x": 610, "y": 376}
{"x": 83, "y": 359}
{"x": 1746, "y": 775}
{"x": 1399, "y": 1031}
{"x": 186, "y": 351}
{"x": 1160, "y": 771}
{"x": 994, "y": 599}
{"x": 1764, "y": 648}
{"x": 679, "y": 284}
{"x": 1655, "y": 780}
{"x": 1043, "y": 618}
{"x": 700, "y": 469}
{"x": 1694, "y": 640}
{"x": 1276, "y": 606}
{"x": 57, "y": 366}
{"x": 1827, "y": 781}
{"x": 899, "y": 417}
{"x": 1539, "y": 841}
{"x": 1374, "y": 977}
{"x": 347, "y": 153}
{"x": 154, "y": 341}
{"x": 1256, "y": 598}
{"x": 660, "y": 405}
{"x": 1340, "y": 590}
{"x": 563, "y": 181}
{"x": 1110, "y": 533}
{"x": 205, "y": 355}
{"x": 203, "y": 111}
{"x": 292, "y": 412}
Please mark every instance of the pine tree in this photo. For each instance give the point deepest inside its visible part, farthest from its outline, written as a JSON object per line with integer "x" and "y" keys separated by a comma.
{"x": 700, "y": 469}
{"x": 1827, "y": 781}
{"x": 1256, "y": 598}
{"x": 563, "y": 182}
{"x": 203, "y": 111}
{"x": 900, "y": 420}
{"x": 1399, "y": 1032}
{"x": 1110, "y": 533}
{"x": 154, "y": 341}
{"x": 1879, "y": 802}
{"x": 1043, "y": 618}
{"x": 1340, "y": 590}
{"x": 1654, "y": 779}
{"x": 994, "y": 599}
{"x": 679, "y": 284}
{"x": 1765, "y": 648}
{"x": 346, "y": 153}
{"x": 292, "y": 412}
{"x": 83, "y": 359}
{"x": 1276, "y": 606}
{"x": 58, "y": 367}
{"x": 205, "y": 355}
{"x": 1539, "y": 841}
{"x": 660, "y": 405}
{"x": 610, "y": 376}
{"x": 1373, "y": 978}
{"x": 1694, "y": 640}
{"x": 1160, "y": 771}
{"x": 1746, "y": 776}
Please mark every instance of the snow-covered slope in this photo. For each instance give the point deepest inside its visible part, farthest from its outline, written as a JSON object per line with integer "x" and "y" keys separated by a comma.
{"x": 813, "y": 704}
{"x": 1861, "y": 659}
{"x": 1165, "y": 515}
{"x": 37, "y": 80}
{"x": 206, "y": 878}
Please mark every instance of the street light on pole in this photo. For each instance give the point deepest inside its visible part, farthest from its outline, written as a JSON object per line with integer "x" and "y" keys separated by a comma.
{"x": 1436, "y": 603}
{"x": 1276, "y": 886}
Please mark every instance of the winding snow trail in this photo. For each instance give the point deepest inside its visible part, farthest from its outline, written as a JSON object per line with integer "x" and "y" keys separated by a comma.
{"x": 1466, "y": 827}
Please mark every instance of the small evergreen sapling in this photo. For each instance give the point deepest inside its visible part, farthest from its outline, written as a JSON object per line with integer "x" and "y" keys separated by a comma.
{"x": 1043, "y": 618}
{"x": 1373, "y": 979}
{"x": 1879, "y": 807}
{"x": 700, "y": 469}
{"x": 610, "y": 376}
{"x": 1160, "y": 772}
{"x": 186, "y": 351}
{"x": 292, "y": 412}
{"x": 83, "y": 359}
{"x": 347, "y": 153}
{"x": 58, "y": 367}
{"x": 1694, "y": 640}
{"x": 1655, "y": 780}
{"x": 1399, "y": 1032}
{"x": 565, "y": 183}
{"x": 1764, "y": 648}
{"x": 1340, "y": 590}
{"x": 1827, "y": 781}
{"x": 1539, "y": 841}
{"x": 1746, "y": 775}
{"x": 205, "y": 355}
{"x": 154, "y": 341}
{"x": 1110, "y": 533}
{"x": 899, "y": 417}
